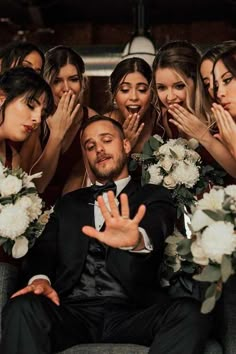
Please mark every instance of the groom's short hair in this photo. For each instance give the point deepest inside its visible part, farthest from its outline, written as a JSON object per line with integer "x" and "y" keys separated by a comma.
{"x": 101, "y": 118}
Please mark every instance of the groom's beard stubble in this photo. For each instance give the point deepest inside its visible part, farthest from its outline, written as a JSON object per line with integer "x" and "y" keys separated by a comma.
{"x": 112, "y": 173}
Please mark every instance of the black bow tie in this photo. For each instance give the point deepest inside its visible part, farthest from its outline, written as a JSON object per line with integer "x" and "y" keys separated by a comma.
{"x": 99, "y": 190}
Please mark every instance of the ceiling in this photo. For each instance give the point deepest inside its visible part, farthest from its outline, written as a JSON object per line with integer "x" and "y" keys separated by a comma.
{"x": 46, "y": 13}
{"x": 40, "y": 16}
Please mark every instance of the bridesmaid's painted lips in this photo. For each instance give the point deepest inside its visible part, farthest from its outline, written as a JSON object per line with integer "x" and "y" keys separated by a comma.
{"x": 133, "y": 109}
{"x": 28, "y": 128}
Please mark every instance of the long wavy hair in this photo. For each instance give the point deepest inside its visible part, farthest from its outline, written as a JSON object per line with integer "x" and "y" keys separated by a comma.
{"x": 59, "y": 56}
{"x": 183, "y": 58}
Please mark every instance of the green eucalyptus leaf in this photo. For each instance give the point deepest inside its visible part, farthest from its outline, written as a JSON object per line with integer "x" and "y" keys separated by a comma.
{"x": 154, "y": 143}
{"x": 207, "y": 169}
{"x": 2, "y": 240}
{"x": 183, "y": 247}
{"x": 179, "y": 212}
{"x": 211, "y": 290}
{"x": 145, "y": 177}
{"x": 218, "y": 292}
{"x": 226, "y": 268}
{"x": 208, "y": 304}
{"x": 7, "y": 246}
{"x": 173, "y": 239}
{"x": 133, "y": 165}
{"x": 210, "y": 273}
{"x": 146, "y": 158}
{"x": 229, "y": 218}
{"x": 218, "y": 215}
{"x": 174, "y": 155}
{"x": 147, "y": 150}
{"x": 6, "y": 200}
{"x": 188, "y": 267}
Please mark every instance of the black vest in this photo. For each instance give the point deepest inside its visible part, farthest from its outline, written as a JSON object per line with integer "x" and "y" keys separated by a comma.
{"x": 95, "y": 281}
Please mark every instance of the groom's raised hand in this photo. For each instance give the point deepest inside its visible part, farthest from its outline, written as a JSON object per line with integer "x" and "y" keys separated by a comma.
{"x": 120, "y": 231}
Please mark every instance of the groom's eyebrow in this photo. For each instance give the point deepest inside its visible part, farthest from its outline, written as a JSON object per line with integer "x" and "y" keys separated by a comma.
{"x": 100, "y": 135}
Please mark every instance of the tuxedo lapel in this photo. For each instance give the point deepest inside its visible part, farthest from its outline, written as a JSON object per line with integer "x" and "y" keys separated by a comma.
{"x": 131, "y": 188}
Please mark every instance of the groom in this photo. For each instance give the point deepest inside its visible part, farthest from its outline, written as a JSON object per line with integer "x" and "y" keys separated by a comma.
{"x": 93, "y": 274}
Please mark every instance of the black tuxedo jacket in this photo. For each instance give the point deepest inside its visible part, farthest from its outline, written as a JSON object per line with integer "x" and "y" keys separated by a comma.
{"x": 61, "y": 250}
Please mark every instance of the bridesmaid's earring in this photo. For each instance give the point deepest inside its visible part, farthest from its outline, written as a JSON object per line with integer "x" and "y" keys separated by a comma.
{"x": 114, "y": 104}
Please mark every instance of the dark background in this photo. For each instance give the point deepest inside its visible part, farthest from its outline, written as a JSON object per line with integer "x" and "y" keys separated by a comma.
{"x": 99, "y": 29}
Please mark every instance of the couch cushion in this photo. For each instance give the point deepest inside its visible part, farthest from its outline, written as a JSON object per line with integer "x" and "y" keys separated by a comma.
{"x": 212, "y": 347}
{"x": 106, "y": 349}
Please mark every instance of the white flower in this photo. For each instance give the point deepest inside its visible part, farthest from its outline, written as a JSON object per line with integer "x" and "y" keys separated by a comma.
{"x": 169, "y": 182}
{"x": 20, "y": 247}
{"x": 218, "y": 239}
{"x": 164, "y": 149}
{"x": 156, "y": 153}
{"x": 187, "y": 174}
{"x": 231, "y": 191}
{"x": 181, "y": 141}
{"x": 193, "y": 156}
{"x": 27, "y": 179}
{"x": 2, "y": 170}
{"x": 200, "y": 220}
{"x": 193, "y": 143}
{"x": 10, "y": 185}
{"x": 166, "y": 163}
{"x": 179, "y": 150}
{"x": 155, "y": 174}
{"x": 212, "y": 200}
{"x": 171, "y": 251}
{"x": 170, "y": 142}
{"x": 198, "y": 253}
{"x": 35, "y": 208}
{"x": 13, "y": 221}
{"x": 24, "y": 202}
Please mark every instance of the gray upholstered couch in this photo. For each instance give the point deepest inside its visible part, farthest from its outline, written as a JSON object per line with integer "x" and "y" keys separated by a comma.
{"x": 8, "y": 281}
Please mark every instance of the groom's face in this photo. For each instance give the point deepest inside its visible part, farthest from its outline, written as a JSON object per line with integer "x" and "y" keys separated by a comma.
{"x": 106, "y": 151}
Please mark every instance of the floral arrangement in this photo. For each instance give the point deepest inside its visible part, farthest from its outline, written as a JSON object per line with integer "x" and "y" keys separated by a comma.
{"x": 177, "y": 166}
{"x": 210, "y": 254}
{"x": 21, "y": 217}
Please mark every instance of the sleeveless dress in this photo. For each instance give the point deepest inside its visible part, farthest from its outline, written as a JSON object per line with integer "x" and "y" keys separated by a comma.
{"x": 65, "y": 164}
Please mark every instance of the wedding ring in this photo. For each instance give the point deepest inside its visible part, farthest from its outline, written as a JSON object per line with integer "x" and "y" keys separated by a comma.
{"x": 125, "y": 217}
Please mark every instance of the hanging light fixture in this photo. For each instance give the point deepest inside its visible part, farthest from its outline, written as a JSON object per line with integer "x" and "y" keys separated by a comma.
{"x": 141, "y": 44}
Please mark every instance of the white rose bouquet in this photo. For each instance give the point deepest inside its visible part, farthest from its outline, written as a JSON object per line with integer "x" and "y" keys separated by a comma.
{"x": 21, "y": 217}
{"x": 177, "y": 166}
{"x": 210, "y": 253}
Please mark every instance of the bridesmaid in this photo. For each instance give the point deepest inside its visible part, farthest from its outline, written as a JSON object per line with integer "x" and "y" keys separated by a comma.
{"x": 22, "y": 54}
{"x": 224, "y": 110}
{"x": 175, "y": 72}
{"x": 58, "y": 152}
{"x": 25, "y": 100}
{"x": 185, "y": 108}
{"x": 207, "y": 62}
{"x": 132, "y": 101}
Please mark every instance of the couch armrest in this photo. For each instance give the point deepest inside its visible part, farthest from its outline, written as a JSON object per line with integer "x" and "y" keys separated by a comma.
{"x": 226, "y": 314}
{"x": 8, "y": 284}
